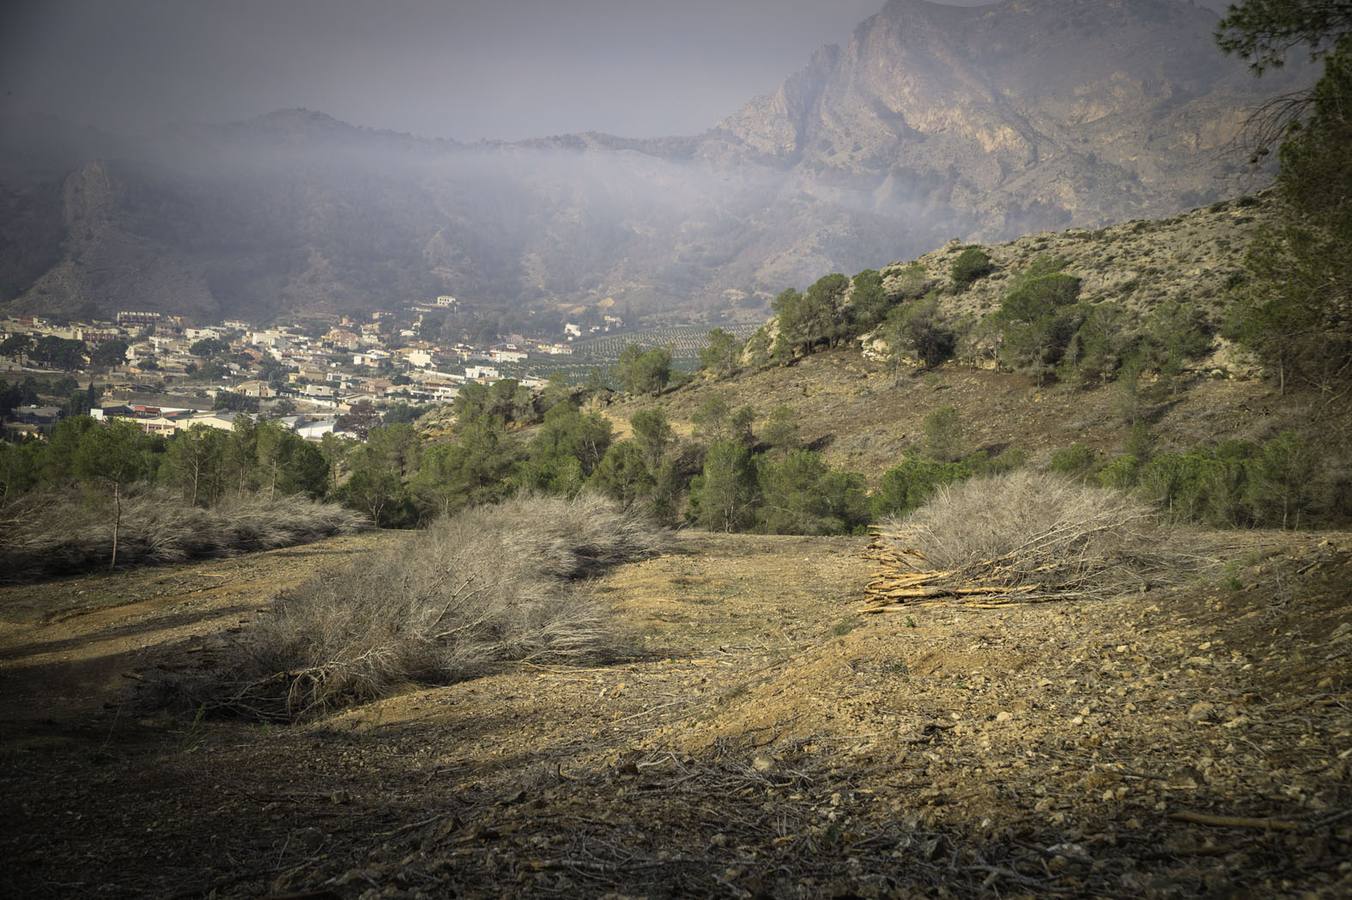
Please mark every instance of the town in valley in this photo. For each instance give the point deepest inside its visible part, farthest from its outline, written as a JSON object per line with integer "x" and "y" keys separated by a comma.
{"x": 316, "y": 376}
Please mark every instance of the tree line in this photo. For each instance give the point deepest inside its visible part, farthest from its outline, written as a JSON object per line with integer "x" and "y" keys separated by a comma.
{"x": 66, "y": 354}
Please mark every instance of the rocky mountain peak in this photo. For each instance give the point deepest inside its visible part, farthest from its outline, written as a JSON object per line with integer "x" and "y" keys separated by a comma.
{"x": 932, "y": 121}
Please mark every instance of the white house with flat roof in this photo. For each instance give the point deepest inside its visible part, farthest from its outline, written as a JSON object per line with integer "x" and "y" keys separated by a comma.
{"x": 482, "y": 373}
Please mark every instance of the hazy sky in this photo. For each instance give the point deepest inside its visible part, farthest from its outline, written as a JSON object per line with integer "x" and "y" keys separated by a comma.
{"x": 465, "y": 69}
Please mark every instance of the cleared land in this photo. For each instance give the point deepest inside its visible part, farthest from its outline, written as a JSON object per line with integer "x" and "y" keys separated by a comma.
{"x": 769, "y": 739}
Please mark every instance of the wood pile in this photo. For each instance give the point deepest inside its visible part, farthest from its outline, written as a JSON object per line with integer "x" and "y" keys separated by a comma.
{"x": 903, "y": 578}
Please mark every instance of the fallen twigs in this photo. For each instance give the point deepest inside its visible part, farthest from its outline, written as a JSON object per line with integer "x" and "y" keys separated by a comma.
{"x": 1019, "y": 538}
{"x": 1197, "y": 818}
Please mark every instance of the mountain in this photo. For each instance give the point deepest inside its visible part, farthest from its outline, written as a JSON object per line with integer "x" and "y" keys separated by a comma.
{"x": 1020, "y": 116}
{"x": 933, "y": 122}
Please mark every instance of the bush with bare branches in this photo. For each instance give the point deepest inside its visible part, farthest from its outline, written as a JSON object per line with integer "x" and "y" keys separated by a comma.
{"x": 490, "y": 585}
{"x": 50, "y": 534}
{"x": 1037, "y": 535}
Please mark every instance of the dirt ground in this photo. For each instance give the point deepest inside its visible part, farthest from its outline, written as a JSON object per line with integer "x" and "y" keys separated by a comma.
{"x": 768, "y": 740}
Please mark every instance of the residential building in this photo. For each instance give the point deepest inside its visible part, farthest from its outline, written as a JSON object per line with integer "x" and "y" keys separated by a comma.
{"x": 40, "y": 416}
{"x": 370, "y": 358}
{"x": 218, "y": 419}
{"x": 482, "y": 373}
{"x": 260, "y": 389}
{"x": 415, "y": 357}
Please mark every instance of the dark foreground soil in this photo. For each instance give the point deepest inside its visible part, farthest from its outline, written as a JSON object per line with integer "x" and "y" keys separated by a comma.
{"x": 770, "y": 740}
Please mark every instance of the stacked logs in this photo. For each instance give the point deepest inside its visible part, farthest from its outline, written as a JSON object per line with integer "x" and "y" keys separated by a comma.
{"x": 902, "y": 578}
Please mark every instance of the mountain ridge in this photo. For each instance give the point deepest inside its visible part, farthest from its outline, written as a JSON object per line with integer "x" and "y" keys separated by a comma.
{"x": 932, "y": 121}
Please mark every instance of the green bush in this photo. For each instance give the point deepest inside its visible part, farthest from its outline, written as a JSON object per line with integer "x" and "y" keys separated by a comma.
{"x": 623, "y": 474}
{"x": 807, "y": 320}
{"x": 918, "y": 328}
{"x": 723, "y": 496}
{"x": 1275, "y": 484}
{"x": 473, "y": 469}
{"x": 1295, "y": 314}
{"x": 1175, "y": 334}
{"x": 943, "y": 434}
{"x": 1122, "y": 473}
{"x": 1282, "y": 486}
{"x": 565, "y": 451}
{"x": 1199, "y": 485}
{"x": 19, "y": 469}
{"x": 644, "y": 371}
{"x": 722, "y": 355}
{"x": 1075, "y": 461}
{"x": 972, "y": 264}
{"x": 653, "y": 434}
{"x": 716, "y": 420}
{"x": 907, "y": 283}
{"x": 868, "y": 301}
{"x": 781, "y": 431}
{"x": 1039, "y": 317}
{"x": 800, "y": 494}
{"x": 909, "y": 484}
{"x": 1007, "y": 460}
{"x": 1101, "y": 344}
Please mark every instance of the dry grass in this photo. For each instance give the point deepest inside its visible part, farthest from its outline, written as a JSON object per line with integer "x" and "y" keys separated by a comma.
{"x": 491, "y": 585}
{"x": 1037, "y": 534}
{"x": 48, "y": 535}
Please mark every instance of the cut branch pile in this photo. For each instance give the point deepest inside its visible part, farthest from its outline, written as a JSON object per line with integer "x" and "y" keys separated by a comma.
{"x": 489, "y": 586}
{"x": 1024, "y": 537}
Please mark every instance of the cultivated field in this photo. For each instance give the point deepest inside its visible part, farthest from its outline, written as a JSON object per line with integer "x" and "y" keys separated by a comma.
{"x": 684, "y": 341}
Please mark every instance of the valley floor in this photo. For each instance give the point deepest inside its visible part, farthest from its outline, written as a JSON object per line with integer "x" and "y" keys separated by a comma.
{"x": 768, "y": 740}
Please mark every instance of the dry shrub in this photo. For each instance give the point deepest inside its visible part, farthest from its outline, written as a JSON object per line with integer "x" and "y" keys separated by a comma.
{"x": 490, "y": 585}
{"x": 1039, "y": 533}
{"x": 47, "y": 535}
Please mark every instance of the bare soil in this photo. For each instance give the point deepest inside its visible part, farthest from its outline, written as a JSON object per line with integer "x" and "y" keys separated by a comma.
{"x": 768, "y": 740}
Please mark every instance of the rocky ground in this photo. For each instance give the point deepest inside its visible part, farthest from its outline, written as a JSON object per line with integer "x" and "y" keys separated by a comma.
{"x": 769, "y": 740}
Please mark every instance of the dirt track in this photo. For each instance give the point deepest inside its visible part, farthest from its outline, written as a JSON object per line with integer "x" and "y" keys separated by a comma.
{"x": 768, "y": 741}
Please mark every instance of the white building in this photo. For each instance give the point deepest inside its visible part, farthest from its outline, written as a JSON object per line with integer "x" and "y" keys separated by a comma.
{"x": 482, "y": 373}
{"x": 260, "y": 389}
{"x": 222, "y": 421}
{"x": 310, "y": 427}
{"x": 420, "y": 358}
{"x": 370, "y": 358}
{"x": 318, "y": 391}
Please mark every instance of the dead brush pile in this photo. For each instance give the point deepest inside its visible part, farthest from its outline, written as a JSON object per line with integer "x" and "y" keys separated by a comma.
{"x": 491, "y": 585}
{"x": 50, "y": 534}
{"x": 1023, "y": 536}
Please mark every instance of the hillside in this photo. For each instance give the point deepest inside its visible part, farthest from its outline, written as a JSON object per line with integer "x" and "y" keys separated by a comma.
{"x": 934, "y": 121}
{"x": 768, "y": 740}
{"x": 863, "y": 413}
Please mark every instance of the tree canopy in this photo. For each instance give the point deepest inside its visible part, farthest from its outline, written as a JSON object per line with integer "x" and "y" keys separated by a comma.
{"x": 643, "y": 371}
